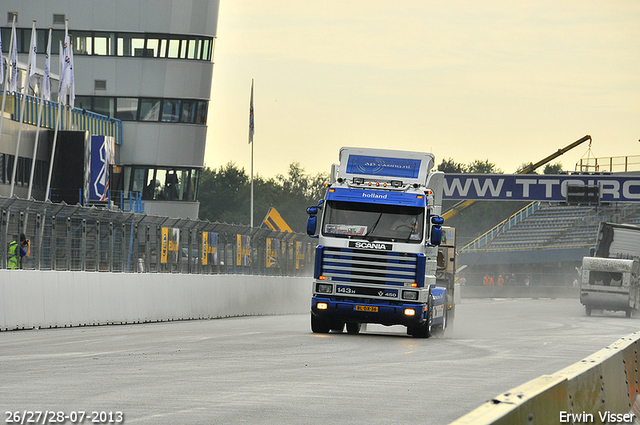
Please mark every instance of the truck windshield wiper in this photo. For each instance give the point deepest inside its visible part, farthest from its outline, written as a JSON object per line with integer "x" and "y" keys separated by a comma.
{"x": 369, "y": 235}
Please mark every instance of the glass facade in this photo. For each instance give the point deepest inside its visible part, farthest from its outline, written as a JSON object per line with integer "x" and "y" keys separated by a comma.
{"x": 187, "y": 111}
{"x": 162, "y": 183}
{"x": 23, "y": 172}
{"x": 102, "y": 43}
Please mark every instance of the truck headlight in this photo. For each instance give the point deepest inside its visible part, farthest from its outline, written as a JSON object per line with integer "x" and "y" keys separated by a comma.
{"x": 410, "y": 295}
{"x": 324, "y": 288}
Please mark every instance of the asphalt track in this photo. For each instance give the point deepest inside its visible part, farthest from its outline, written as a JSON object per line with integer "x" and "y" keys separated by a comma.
{"x": 273, "y": 370}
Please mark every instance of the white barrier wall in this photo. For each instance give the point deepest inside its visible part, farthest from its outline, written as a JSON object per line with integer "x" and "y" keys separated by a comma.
{"x": 43, "y": 299}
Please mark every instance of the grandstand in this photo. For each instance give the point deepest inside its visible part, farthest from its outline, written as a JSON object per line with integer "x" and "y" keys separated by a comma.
{"x": 546, "y": 244}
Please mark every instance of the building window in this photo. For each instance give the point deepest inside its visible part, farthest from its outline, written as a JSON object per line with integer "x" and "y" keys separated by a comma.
{"x": 127, "y": 109}
{"x": 162, "y": 183}
{"x": 103, "y": 43}
{"x": 82, "y": 42}
{"x": 104, "y": 106}
{"x": 170, "y": 110}
{"x": 150, "y": 109}
{"x": 187, "y": 111}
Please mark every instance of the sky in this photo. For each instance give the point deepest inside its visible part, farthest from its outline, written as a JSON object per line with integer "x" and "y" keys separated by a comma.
{"x": 503, "y": 81}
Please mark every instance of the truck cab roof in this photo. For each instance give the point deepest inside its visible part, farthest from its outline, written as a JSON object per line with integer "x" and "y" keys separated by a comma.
{"x": 397, "y": 168}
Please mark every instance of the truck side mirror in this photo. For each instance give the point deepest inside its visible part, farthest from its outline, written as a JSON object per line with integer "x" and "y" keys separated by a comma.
{"x": 436, "y": 230}
{"x": 312, "y": 221}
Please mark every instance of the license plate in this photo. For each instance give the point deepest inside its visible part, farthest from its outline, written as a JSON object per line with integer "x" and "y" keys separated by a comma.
{"x": 368, "y": 308}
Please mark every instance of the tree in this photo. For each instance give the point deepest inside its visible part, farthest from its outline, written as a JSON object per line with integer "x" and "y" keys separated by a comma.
{"x": 222, "y": 194}
{"x": 225, "y": 195}
{"x": 553, "y": 168}
{"x": 525, "y": 165}
{"x": 299, "y": 190}
{"x": 483, "y": 167}
{"x": 450, "y": 166}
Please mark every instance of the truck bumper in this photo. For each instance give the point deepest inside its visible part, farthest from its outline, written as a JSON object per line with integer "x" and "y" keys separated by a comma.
{"x": 380, "y": 313}
{"x": 613, "y": 301}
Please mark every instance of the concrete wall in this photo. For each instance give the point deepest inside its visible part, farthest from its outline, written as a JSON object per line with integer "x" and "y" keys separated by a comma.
{"x": 473, "y": 291}
{"x": 605, "y": 383}
{"x": 36, "y": 299}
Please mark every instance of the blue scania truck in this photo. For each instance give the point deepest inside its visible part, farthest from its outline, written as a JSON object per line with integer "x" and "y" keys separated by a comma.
{"x": 378, "y": 231}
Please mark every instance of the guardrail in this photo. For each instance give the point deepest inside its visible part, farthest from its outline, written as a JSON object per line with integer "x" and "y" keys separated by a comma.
{"x": 71, "y": 119}
{"x": 486, "y": 238}
{"x": 602, "y": 388}
{"x": 76, "y": 238}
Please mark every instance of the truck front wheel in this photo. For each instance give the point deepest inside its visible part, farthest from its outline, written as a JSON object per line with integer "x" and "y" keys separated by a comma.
{"x": 423, "y": 331}
{"x": 318, "y": 325}
{"x": 353, "y": 328}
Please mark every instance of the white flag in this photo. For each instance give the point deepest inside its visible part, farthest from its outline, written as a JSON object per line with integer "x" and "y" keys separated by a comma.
{"x": 13, "y": 85}
{"x": 32, "y": 57}
{"x": 65, "y": 67}
{"x": 251, "y": 122}
{"x": 61, "y": 87}
{"x": 46, "y": 79}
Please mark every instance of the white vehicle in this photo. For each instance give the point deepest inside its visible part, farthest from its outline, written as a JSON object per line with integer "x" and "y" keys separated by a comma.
{"x": 610, "y": 279}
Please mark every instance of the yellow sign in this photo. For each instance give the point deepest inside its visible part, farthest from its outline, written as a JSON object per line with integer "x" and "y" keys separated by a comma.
{"x": 165, "y": 245}
{"x": 274, "y": 221}
{"x": 243, "y": 250}
{"x": 170, "y": 243}
{"x": 205, "y": 248}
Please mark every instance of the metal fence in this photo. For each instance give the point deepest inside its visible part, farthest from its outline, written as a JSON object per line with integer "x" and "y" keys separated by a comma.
{"x": 72, "y": 237}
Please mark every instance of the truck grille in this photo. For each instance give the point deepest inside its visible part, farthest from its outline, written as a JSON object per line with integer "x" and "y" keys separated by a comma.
{"x": 361, "y": 266}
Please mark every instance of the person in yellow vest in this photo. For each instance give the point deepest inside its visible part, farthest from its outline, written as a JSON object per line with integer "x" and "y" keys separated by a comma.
{"x": 17, "y": 251}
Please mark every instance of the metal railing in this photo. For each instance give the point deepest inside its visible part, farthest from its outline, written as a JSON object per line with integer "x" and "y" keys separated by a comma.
{"x": 73, "y": 237}
{"x": 71, "y": 119}
{"x": 613, "y": 164}
{"x": 486, "y": 238}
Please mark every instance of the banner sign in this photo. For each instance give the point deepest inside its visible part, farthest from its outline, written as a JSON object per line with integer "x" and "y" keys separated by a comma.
{"x": 209, "y": 248}
{"x": 170, "y": 245}
{"x": 273, "y": 250}
{"x": 539, "y": 187}
{"x": 275, "y": 222}
{"x": 388, "y": 167}
{"x": 102, "y": 156}
{"x": 243, "y": 250}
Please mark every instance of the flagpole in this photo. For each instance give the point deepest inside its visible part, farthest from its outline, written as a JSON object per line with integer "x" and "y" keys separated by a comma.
{"x": 22, "y": 106}
{"x": 251, "y": 184}
{"x": 6, "y": 78}
{"x": 251, "y": 131}
{"x": 55, "y": 132}
{"x": 62, "y": 94}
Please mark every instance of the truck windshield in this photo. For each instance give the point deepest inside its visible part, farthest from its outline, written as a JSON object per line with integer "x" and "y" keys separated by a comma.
{"x": 373, "y": 221}
{"x": 605, "y": 278}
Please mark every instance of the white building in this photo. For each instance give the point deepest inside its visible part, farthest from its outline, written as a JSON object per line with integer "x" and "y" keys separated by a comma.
{"x": 149, "y": 64}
